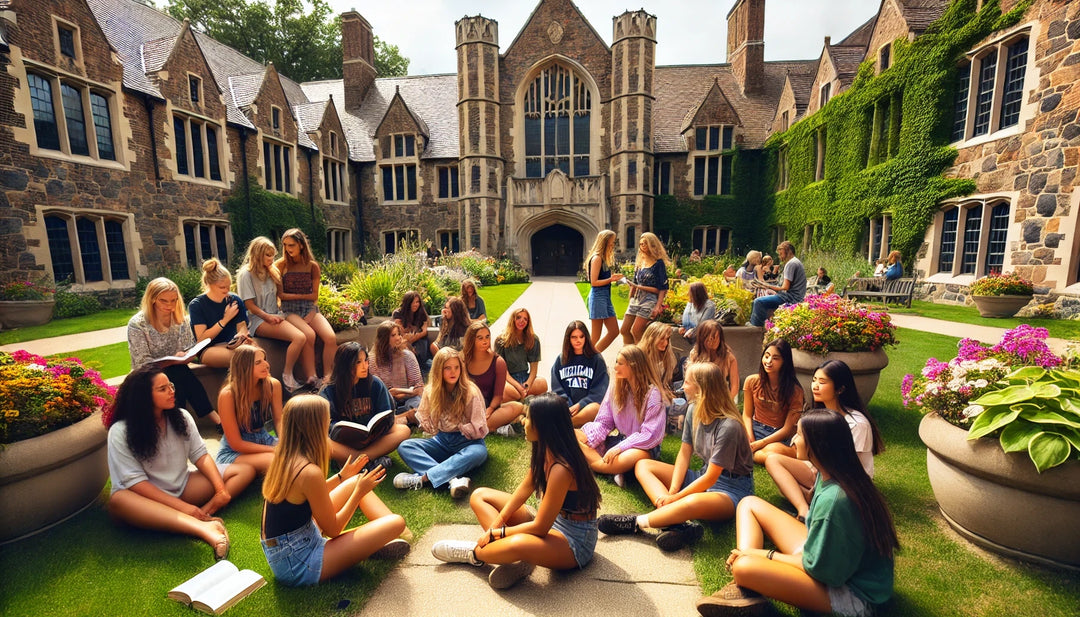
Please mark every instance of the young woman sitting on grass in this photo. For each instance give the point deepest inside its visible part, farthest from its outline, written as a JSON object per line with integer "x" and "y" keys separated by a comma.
{"x": 579, "y": 375}
{"x": 398, "y": 369}
{"x": 833, "y": 388}
{"x": 840, "y": 561}
{"x": 520, "y": 348}
{"x": 634, "y": 408}
{"x": 414, "y": 322}
{"x": 487, "y": 371}
{"x": 151, "y": 441}
{"x": 218, "y": 315}
{"x": 713, "y": 432}
{"x": 710, "y": 346}
{"x": 772, "y": 402}
{"x": 249, "y": 397}
{"x": 455, "y": 319}
{"x": 656, "y": 343}
{"x": 452, "y": 411}
{"x": 298, "y": 496}
{"x": 356, "y": 396}
{"x": 561, "y": 534}
{"x": 473, "y": 302}
{"x": 160, "y": 329}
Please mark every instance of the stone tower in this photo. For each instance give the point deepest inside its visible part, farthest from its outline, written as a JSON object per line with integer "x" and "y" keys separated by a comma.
{"x": 746, "y": 44}
{"x": 633, "y": 52}
{"x": 481, "y": 165}
{"x": 358, "y": 58}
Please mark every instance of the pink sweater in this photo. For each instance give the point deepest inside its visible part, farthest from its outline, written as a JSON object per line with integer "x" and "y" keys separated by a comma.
{"x": 644, "y": 435}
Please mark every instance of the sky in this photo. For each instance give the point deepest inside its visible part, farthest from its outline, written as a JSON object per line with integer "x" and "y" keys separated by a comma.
{"x": 688, "y": 31}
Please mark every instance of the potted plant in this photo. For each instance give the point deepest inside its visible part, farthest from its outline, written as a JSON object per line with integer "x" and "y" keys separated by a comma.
{"x": 26, "y": 303}
{"x": 828, "y": 327}
{"x": 1001, "y": 295}
{"x": 53, "y": 457}
{"x": 1002, "y": 442}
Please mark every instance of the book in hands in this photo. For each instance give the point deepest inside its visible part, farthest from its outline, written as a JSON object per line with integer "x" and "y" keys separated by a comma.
{"x": 217, "y": 588}
{"x": 183, "y": 357}
{"x": 360, "y": 435}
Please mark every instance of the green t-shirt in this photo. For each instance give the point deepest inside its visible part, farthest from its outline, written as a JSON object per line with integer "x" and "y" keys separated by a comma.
{"x": 517, "y": 357}
{"x": 836, "y": 552}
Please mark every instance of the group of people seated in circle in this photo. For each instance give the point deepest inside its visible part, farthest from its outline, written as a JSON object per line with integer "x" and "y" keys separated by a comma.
{"x": 833, "y": 549}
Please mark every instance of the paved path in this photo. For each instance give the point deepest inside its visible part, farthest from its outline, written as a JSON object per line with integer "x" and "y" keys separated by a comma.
{"x": 985, "y": 334}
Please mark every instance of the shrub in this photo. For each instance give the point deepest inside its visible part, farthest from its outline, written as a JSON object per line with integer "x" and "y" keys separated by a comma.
{"x": 725, "y": 295}
{"x": 709, "y": 264}
{"x": 40, "y": 289}
{"x": 995, "y": 284}
{"x": 827, "y": 323}
{"x": 69, "y": 304}
{"x": 338, "y": 310}
{"x": 339, "y": 272}
{"x": 385, "y": 281}
{"x": 189, "y": 280}
{"x": 508, "y": 271}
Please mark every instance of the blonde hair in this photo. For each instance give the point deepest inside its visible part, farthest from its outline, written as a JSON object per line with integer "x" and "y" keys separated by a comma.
{"x": 304, "y": 426}
{"x": 894, "y": 257}
{"x": 241, "y": 381}
{"x": 260, "y": 247}
{"x": 512, "y": 338}
{"x": 654, "y": 333}
{"x": 635, "y": 389}
{"x": 154, "y": 289}
{"x": 753, "y": 256}
{"x": 213, "y": 272}
{"x": 298, "y": 236}
{"x": 451, "y": 403}
{"x": 604, "y": 246}
{"x": 656, "y": 250}
{"x": 714, "y": 398}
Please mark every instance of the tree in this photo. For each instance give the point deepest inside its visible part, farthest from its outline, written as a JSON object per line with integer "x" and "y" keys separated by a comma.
{"x": 388, "y": 60}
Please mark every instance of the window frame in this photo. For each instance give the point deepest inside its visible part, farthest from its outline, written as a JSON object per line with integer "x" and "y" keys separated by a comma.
{"x": 410, "y": 234}
{"x": 278, "y": 162}
{"x": 880, "y": 237}
{"x": 195, "y": 89}
{"x": 452, "y": 238}
{"x": 339, "y": 246}
{"x": 711, "y": 153}
{"x": 216, "y": 227}
{"x": 576, "y": 103}
{"x": 59, "y": 23}
{"x": 103, "y": 248}
{"x": 190, "y": 121}
{"x": 982, "y": 260}
{"x": 452, "y": 183}
{"x": 60, "y": 123}
{"x": 662, "y": 177}
{"x": 721, "y": 239}
{"x": 967, "y": 126}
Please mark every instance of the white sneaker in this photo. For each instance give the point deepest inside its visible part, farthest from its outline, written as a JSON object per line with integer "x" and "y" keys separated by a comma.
{"x": 394, "y": 549}
{"x": 408, "y": 481}
{"x": 289, "y": 382}
{"x": 506, "y": 431}
{"x": 456, "y": 551}
{"x": 459, "y": 487}
{"x": 620, "y": 480}
{"x": 508, "y": 575}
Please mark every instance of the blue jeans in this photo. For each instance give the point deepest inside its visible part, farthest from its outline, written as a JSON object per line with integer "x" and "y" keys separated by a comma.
{"x": 765, "y": 305}
{"x": 443, "y": 457}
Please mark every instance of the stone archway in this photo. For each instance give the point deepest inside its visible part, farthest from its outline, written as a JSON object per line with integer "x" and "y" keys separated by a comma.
{"x": 521, "y": 240}
{"x": 557, "y": 250}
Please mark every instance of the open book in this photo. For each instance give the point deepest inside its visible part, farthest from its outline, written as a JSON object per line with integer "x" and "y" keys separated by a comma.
{"x": 185, "y": 356}
{"x": 217, "y": 588}
{"x": 358, "y": 436}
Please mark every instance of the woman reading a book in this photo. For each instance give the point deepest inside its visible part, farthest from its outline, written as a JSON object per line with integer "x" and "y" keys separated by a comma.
{"x": 561, "y": 533}
{"x": 299, "y": 496}
{"x": 355, "y": 395}
{"x": 218, "y": 315}
{"x": 248, "y": 399}
{"x": 151, "y": 441}
{"x": 161, "y": 329}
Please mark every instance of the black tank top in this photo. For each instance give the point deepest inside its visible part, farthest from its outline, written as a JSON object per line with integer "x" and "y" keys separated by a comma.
{"x": 283, "y": 517}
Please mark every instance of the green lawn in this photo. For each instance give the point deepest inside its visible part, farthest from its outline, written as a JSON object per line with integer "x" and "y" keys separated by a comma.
{"x": 109, "y": 360}
{"x": 498, "y": 298}
{"x": 111, "y": 318}
{"x": 620, "y": 297}
{"x": 1058, "y": 328}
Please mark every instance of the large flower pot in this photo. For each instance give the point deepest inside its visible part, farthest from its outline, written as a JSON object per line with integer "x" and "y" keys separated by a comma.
{"x": 998, "y": 500}
{"x": 23, "y": 313}
{"x": 47, "y": 479}
{"x": 1000, "y": 306}
{"x": 866, "y": 367}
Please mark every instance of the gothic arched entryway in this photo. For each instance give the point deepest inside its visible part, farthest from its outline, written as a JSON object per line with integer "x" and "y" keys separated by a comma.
{"x": 557, "y": 250}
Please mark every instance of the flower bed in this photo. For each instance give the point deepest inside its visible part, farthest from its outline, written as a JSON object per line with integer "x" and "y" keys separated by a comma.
{"x": 724, "y": 295}
{"x": 997, "y": 284}
{"x": 821, "y": 324}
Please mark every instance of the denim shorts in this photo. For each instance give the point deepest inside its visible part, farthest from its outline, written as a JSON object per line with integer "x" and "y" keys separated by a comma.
{"x": 296, "y": 557}
{"x": 521, "y": 376}
{"x": 580, "y": 535}
{"x": 844, "y": 602}
{"x": 613, "y": 440}
{"x": 642, "y": 304}
{"x": 735, "y": 487}
{"x": 227, "y": 455}
{"x": 599, "y": 301}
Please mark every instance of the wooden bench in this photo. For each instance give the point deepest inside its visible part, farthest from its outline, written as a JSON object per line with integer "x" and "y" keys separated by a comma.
{"x": 899, "y": 290}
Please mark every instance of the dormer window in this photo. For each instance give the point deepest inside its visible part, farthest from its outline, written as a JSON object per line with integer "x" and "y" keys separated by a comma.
{"x": 194, "y": 88}
{"x": 275, "y": 116}
{"x": 826, "y": 91}
{"x": 66, "y": 37}
{"x": 884, "y": 58}
{"x": 712, "y": 169}
{"x": 404, "y": 145}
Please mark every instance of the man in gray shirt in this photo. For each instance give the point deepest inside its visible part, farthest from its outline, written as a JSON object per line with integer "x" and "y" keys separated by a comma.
{"x": 791, "y": 291}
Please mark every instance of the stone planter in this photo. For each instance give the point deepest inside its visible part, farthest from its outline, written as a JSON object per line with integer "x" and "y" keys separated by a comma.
{"x": 1000, "y": 306}
{"x": 23, "y": 313}
{"x": 998, "y": 500}
{"x": 866, "y": 366}
{"x": 45, "y": 480}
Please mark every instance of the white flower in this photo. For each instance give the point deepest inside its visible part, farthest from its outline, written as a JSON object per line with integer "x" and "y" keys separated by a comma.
{"x": 972, "y": 410}
{"x": 980, "y": 383}
{"x": 36, "y": 367}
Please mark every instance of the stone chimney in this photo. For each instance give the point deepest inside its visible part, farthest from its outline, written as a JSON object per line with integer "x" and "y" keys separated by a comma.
{"x": 746, "y": 44}
{"x": 358, "y": 58}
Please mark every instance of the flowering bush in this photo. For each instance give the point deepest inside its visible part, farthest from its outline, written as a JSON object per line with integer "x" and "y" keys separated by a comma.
{"x": 38, "y": 395}
{"x": 826, "y": 323}
{"x": 995, "y": 284}
{"x": 724, "y": 295}
{"x": 27, "y": 290}
{"x": 341, "y": 312}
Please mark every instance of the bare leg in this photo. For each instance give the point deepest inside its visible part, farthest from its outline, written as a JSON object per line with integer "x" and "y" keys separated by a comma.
{"x": 794, "y": 478}
{"x": 655, "y": 478}
{"x": 129, "y": 507}
{"x": 626, "y": 329}
{"x": 216, "y": 356}
{"x": 624, "y": 462}
{"x": 383, "y": 445}
{"x": 539, "y": 386}
{"x": 199, "y": 489}
{"x": 551, "y": 551}
{"x": 585, "y": 415}
{"x": 773, "y": 448}
{"x": 505, "y": 414}
{"x": 486, "y": 503}
{"x": 261, "y": 461}
{"x": 326, "y": 333}
{"x": 640, "y": 323}
{"x": 307, "y": 356}
{"x": 355, "y": 545}
{"x": 612, "y": 325}
{"x": 287, "y": 332}
{"x": 596, "y": 327}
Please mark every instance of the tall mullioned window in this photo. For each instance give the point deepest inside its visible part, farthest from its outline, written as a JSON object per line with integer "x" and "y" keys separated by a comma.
{"x": 990, "y": 88}
{"x": 558, "y": 116}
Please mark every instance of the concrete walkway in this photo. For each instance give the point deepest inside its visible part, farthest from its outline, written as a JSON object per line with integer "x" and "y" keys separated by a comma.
{"x": 984, "y": 334}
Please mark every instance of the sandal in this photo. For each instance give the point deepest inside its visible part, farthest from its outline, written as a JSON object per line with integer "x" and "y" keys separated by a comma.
{"x": 221, "y": 547}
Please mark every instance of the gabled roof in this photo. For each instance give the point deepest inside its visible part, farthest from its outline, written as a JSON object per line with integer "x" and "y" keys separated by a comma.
{"x": 861, "y": 36}
{"x": 921, "y": 13}
{"x": 397, "y": 100}
{"x": 536, "y": 9}
{"x": 801, "y": 86}
{"x": 430, "y": 98}
{"x": 244, "y": 89}
{"x": 846, "y": 59}
{"x": 156, "y": 53}
{"x": 714, "y": 97}
{"x": 309, "y": 116}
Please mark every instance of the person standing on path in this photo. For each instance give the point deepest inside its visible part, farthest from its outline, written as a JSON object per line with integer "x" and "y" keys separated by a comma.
{"x": 601, "y": 311}
{"x": 648, "y": 290}
{"x": 792, "y": 289}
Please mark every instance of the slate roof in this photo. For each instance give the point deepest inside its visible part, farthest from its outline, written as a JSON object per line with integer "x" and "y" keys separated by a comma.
{"x": 309, "y": 117}
{"x": 156, "y": 53}
{"x": 846, "y": 60}
{"x": 861, "y": 36}
{"x": 801, "y": 85}
{"x": 921, "y": 13}
{"x": 433, "y": 98}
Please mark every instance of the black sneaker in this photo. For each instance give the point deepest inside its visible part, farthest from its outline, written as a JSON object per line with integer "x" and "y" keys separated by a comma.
{"x": 617, "y": 524}
{"x": 677, "y": 536}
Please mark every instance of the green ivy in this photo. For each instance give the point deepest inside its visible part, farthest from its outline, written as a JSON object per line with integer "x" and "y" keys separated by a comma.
{"x": 272, "y": 214}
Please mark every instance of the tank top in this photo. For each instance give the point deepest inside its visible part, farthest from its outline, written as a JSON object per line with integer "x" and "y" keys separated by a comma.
{"x": 283, "y": 517}
{"x": 486, "y": 381}
{"x": 604, "y": 273}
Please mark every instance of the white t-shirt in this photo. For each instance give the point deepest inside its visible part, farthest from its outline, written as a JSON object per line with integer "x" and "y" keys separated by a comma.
{"x": 168, "y": 469}
{"x": 863, "y": 436}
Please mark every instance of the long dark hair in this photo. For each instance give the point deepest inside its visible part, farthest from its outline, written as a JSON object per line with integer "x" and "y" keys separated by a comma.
{"x": 345, "y": 360}
{"x": 408, "y": 317}
{"x": 134, "y": 404}
{"x": 549, "y": 416}
{"x": 829, "y": 439}
{"x": 787, "y": 381}
{"x": 698, "y": 295}
{"x": 848, "y": 395}
{"x": 568, "y": 350}
{"x": 454, "y": 328}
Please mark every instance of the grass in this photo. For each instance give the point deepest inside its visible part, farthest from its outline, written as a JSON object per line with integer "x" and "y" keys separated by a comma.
{"x": 1058, "y": 328}
{"x": 88, "y": 565}
{"x": 498, "y": 298}
{"x": 620, "y": 297}
{"x": 111, "y": 318}
{"x": 109, "y": 360}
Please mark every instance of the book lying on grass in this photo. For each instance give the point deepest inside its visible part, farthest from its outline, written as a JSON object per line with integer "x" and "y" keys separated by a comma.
{"x": 184, "y": 357}
{"x": 357, "y": 436}
{"x": 217, "y": 588}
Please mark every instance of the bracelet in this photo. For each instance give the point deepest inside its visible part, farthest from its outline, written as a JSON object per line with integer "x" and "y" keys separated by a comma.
{"x": 339, "y": 477}
{"x": 220, "y": 326}
{"x": 772, "y": 551}
{"x": 504, "y": 531}
{"x": 491, "y": 535}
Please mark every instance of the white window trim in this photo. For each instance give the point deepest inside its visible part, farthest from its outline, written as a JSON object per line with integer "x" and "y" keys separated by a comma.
{"x": 202, "y": 121}
{"x": 966, "y": 203}
{"x": 132, "y": 246}
{"x": 333, "y": 164}
{"x": 339, "y": 238}
{"x": 1028, "y": 109}
{"x": 884, "y": 221}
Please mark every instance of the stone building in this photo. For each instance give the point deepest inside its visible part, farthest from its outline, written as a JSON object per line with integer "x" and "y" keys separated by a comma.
{"x": 123, "y": 130}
